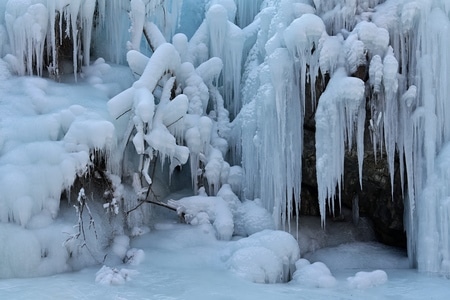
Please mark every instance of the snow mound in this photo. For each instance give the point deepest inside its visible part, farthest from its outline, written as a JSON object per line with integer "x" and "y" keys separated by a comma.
{"x": 113, "y": 276}
{"x": 313, "y": 275}
{"x": 268, "y": 255}
{"x": 257, "y": 264}
{"x": 363, "y": 280}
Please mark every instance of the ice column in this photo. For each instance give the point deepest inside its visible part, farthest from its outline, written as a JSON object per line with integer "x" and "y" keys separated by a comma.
{"x": 336, "y": 118}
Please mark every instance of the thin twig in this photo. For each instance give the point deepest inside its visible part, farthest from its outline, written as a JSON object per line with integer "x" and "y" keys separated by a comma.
{"x": 175, "y": 121}
{"x": 128, "y": 110}
{"x": 160, "y": 204}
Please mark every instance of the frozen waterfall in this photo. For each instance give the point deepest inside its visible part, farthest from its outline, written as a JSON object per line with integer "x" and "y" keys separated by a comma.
{"x": 247, "y": 75}
{"x": 405, "y": 44}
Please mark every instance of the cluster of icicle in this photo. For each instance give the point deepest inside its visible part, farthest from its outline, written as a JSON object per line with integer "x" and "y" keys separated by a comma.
{"x": 403, "y": 46}
{"x": 31, "y": 28}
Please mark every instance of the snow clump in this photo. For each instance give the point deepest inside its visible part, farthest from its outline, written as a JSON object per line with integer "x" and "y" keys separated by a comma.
{"x": 363, "y": 280}
{"x": 313, "y": 275}
{"x": 113, "y": 276}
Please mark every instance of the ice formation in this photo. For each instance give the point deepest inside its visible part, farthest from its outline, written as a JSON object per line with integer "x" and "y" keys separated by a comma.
{"x": 402, "y": 47}
{"x": 259, "y": 64}
{"x": 338, "y": 106}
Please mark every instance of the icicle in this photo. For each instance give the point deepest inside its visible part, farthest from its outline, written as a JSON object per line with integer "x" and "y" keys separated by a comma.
{"x": 302, "y": 39}
{"x": 137, "y": 16}
{"x": 88, "y": 10}
{"x": 334, "y": 123}
{"x": 390, "y": 83}
{"x": 74, "y": 8}
{"x": 27, "y": 24}
{"x": 246, "y": 11}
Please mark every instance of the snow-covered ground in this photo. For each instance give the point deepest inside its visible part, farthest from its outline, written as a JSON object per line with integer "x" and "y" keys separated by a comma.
{"x": 185, "y": 262}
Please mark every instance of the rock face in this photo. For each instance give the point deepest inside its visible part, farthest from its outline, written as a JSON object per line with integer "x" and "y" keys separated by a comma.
{"x": 376, "y": 199}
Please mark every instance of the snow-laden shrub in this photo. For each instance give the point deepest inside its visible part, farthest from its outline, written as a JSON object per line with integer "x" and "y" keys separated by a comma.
{"x": 197, "y": 210}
